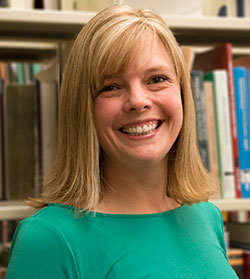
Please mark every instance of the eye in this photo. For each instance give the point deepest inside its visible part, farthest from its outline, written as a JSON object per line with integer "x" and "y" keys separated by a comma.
{"x": 108, "y": 88}
{"x": 157, "y": 79}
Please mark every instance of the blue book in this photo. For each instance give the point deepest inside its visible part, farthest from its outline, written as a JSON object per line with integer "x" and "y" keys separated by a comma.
{"x": 242, "y": 103}
{"x": 240, "y": 8}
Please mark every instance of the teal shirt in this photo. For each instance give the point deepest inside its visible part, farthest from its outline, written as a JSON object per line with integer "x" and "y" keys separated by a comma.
{"x": 184, "y": 243}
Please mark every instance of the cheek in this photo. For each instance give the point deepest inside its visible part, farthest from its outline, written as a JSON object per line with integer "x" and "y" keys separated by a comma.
{"x": 172, "y": 105}
{"x": 105, "y": 113}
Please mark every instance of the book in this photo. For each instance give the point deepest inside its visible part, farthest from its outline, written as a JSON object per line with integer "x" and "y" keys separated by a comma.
{"x": 21, "y": 4}
{"x": 38, "y": 4}
{"x": 20, "y": 73}
{"x": 51, "y": 4}
{"x": 200, "y": 109}
{"x": 47, "y": 90}
{"x": 242, "y": 82}
{"x": 48, "y": 112}
{"x": 242, "y": 8}
{"x": 221, "y": 57}
{"x": 20, "y": 137}
{"x": 211, "y": 130}
{"x": 223, "y": 133}
{"x": 246, "y": 263}
{"x": 3, "y": 3}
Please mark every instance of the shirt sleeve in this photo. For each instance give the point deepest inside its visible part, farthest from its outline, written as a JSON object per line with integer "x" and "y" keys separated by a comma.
{"x": 39, "y": 250}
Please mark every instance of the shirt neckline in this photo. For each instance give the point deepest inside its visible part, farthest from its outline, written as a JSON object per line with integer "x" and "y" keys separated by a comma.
{"x": 128, "y": 216}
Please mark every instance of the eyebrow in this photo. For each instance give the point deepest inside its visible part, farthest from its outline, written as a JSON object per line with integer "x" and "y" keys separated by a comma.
{"x": 158, "y": 68}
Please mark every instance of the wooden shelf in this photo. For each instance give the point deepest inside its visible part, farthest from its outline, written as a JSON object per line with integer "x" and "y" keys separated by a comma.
{"x": 39, "y": 25}
{"x": 12, "y": 210}
{"x": 64, "y": 25}
{"x": 26, "y": 51}
{"x": 232, "y": 204}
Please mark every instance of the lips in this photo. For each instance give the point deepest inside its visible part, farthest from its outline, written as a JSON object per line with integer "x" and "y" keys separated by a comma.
{"x": 140, "y": 129}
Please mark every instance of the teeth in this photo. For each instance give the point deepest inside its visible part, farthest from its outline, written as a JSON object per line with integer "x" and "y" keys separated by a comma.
{"x": 145, "y": 128}
{"x": 140, "y": 130}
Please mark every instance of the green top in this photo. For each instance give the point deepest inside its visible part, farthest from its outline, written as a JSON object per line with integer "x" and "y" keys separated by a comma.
{"x": 186, "y": 242}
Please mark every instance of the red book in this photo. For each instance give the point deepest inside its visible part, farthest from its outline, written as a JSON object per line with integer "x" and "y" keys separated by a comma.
{"x": 246, "y": 264}
{"x": 221, "y": 57}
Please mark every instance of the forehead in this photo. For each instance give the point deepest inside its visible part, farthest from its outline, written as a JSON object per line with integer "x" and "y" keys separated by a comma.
{"x": 147, "y": 52}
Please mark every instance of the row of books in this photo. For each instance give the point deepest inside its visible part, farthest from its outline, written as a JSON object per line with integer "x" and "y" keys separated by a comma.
{"x": 28, "y": 126}
{"x": 230, "y": 8}
{"x": 220, "y": 87}
{"x": 236, "y": 8}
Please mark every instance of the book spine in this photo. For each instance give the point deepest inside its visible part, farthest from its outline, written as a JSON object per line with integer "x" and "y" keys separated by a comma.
{"x": 243, "y": 126}
{"x": 20, "y": 140}
{"x": 201, "y": 121}
{"x": 3, "y": 3}
{"x": 232, "y": 112}
{"x": 21, "y": 4}
{"x": 211, "y": 131}
{"x": 223, "y": 133}
{"x": 240, "y": 8}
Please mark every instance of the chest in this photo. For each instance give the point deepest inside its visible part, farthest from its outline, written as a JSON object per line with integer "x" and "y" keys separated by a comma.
{"x": 156, "y": 253}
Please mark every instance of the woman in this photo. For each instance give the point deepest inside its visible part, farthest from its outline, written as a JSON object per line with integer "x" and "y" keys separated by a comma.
{"x": 127, "y": 194}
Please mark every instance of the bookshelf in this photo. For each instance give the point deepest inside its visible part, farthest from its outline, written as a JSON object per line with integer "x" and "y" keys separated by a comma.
{"x": 38, "y": 25}
{"x": 27, "y": 51}
{"x": 36, "y": 33}
{"x": 12, "y": 210}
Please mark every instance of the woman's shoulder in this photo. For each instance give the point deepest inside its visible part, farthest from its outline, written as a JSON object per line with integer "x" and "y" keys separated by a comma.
{"x": 54, "y": 217}
{"x": 205, "y": 211}
{"x": 206, "y": 207}
{"x": 41, "y": 240}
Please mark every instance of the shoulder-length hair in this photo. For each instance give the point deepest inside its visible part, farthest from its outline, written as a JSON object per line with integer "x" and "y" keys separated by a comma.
{"x": 104, "y": 46}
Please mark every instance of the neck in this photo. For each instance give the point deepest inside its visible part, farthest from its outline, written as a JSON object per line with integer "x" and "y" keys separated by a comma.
{"x": 135, "y": 190}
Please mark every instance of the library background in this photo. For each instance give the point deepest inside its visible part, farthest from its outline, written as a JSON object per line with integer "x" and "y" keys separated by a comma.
{"x": 35, "y": 38}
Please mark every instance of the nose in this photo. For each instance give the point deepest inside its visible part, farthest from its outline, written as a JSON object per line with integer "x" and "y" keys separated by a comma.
{"x": 137, "y": 99}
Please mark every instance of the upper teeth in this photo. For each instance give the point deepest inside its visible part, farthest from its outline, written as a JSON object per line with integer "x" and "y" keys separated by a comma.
{"x": 140, "y": 130}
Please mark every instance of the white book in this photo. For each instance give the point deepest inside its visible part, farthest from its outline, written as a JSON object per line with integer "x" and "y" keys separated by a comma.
{"x": 48, "y": 79}
{"x": 21, "y": 4}
{"x": 224, "y": 141}
{"x": 48, "y": 99}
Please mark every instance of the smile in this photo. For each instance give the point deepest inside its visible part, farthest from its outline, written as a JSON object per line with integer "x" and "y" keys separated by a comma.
{"x": 141, "y": 129}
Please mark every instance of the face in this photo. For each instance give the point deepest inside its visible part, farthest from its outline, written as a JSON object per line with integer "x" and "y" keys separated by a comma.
{"x": 138, "y": 113}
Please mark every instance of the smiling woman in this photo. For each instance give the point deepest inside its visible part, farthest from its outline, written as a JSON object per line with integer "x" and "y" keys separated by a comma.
{"x": 127, "y": 195}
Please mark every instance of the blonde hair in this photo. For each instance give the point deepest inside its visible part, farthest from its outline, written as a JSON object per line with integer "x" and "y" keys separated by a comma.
{"x": 103, "y": 47}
